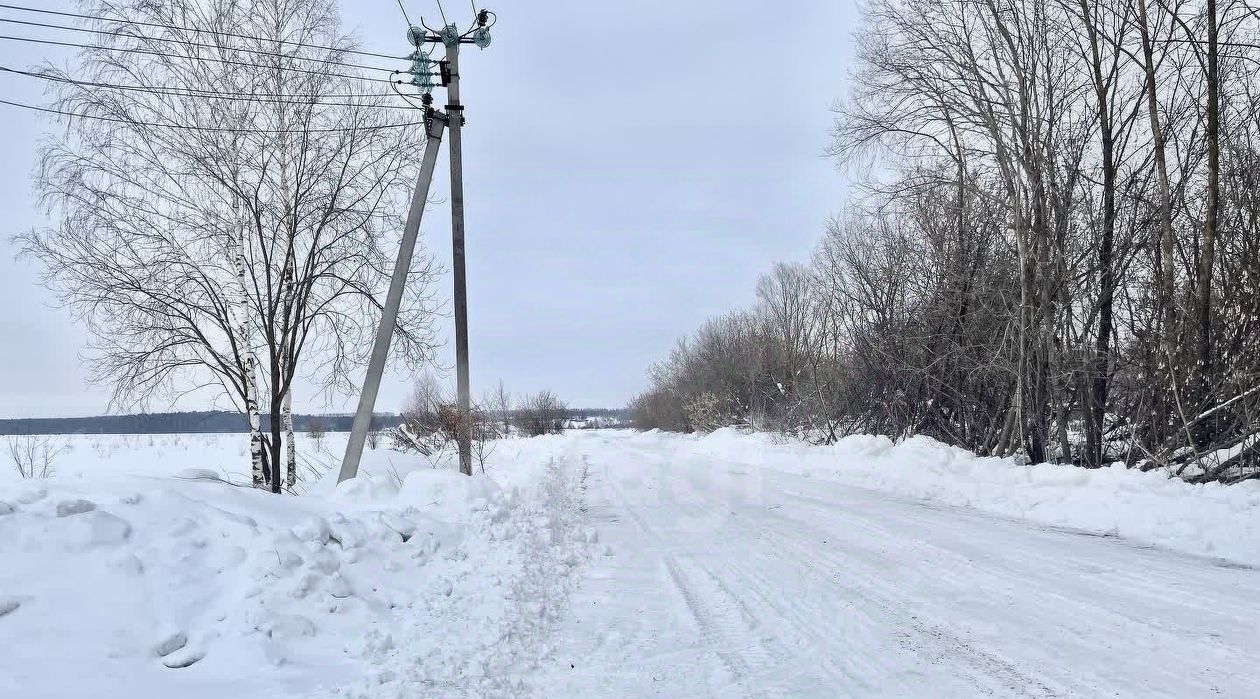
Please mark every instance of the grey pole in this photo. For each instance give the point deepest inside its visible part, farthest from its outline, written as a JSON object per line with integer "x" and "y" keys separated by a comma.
{"x": 436, "y": 122}
{"x": 455, "y": 113}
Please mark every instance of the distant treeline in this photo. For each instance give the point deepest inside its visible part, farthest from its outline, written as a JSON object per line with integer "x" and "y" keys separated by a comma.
{"x": 208, "y": 421}
{"x": 620, "y": 413}
{"x": 169, "y": 423}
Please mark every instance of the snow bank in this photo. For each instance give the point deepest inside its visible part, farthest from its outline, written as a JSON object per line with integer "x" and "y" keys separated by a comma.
{"x": 149, "y": 576}
{"x": 1211, "y": 519}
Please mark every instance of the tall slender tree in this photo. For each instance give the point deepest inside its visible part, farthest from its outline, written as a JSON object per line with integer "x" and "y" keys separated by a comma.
{"x": 147, "y": 209}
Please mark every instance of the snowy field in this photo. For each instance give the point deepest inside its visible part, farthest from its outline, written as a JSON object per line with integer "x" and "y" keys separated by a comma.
{"x": 610, "y": 563}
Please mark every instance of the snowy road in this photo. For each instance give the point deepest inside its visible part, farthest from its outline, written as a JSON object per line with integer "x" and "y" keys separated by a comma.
{"x": 727, "y": 579}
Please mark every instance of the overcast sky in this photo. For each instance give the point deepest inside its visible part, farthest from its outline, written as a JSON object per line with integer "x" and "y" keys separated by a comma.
{"x": 631, "y": 168}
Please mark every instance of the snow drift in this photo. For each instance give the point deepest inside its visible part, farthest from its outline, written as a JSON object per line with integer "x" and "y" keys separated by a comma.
{"x": 143, "y": 585}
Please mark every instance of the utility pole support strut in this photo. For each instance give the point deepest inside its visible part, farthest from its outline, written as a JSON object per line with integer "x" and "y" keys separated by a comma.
{"x": 435, "y": 123}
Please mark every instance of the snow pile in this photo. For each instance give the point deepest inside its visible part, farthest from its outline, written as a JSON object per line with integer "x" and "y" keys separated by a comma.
{"x": 182, "y": 584}
{"x": 1211, "y": 519}
{"x": 511, "y": 591}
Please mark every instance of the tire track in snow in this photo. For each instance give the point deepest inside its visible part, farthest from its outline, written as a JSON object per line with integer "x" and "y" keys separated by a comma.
{"x": 1155, "y": 578}
{"x": 812, "y": 588}
{"x": 726, "y": 624}
{"x": 731, "y": 564}
{"x": 846, "y": 661}
{"x": 809, "y": 625}
{"x": 1063, "y": 612}
{"x": 929, "y": 639}
{"x": 1151, "y": 597}
{"x": 990, "y": 673}
{"x": 714, "y": 622}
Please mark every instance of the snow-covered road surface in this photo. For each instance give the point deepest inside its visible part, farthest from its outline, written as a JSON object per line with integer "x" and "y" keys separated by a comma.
{"x": 617, "y": 564}
{"x": 726, "y": 578}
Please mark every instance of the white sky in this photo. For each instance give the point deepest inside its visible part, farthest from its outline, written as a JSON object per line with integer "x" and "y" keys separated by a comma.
{"x": 630, "y": 169}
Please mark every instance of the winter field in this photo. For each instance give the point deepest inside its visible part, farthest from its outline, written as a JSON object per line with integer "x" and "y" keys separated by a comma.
{"x": 620, "y": 564}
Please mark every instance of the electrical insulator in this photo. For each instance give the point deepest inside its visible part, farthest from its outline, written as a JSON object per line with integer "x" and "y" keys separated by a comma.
{"x": 421, "y": 69}
{"x": 481, "y": 37}
{"x": 450, "y": 35}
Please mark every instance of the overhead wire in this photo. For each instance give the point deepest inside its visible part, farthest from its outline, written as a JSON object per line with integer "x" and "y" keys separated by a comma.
{"x": 51, "y": 42}
{"x": 404, "y": 11}
{"x": 275, "y": 98}
{"x": 215, "y": 32}
{"x": 190, "y": 127}
{"x": 142, "y": 37}
{"x": 406, "y": 97}
{"x": 270, "y": 98}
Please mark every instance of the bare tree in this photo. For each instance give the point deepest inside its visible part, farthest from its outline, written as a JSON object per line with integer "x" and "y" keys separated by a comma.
{"x": 35, "y": 456}
{"x": 1057, "y": 257}
{"x": 287, "y": 194}
{"x": 500, "y": 403}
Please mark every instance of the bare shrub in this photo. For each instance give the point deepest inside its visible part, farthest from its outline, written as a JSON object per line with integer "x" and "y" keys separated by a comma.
{"x": 431, "y": 423}
{"x": 485, "y": 430}
{"x": 705, "y": 412}
{"x": 35, "y": 456}
{"x": 657, "y": 409}
{"x": 316, "y": 431}
{"x": 541, "y": 413}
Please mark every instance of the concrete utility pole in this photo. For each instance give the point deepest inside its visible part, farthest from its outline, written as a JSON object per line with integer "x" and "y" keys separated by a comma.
{"x": 450, "y": 36}
{"x": 456, "y": 113}
{"x": 435, "y": 123}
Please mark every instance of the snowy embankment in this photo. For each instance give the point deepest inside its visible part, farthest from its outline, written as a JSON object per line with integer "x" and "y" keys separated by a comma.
{"x": 133, "y": 573}
{"x": 1211, "y": 519}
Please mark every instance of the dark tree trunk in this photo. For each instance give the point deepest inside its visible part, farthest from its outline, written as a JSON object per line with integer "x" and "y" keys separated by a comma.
{"x": 1207, "y": 250}
{"x": 1100, "y": 366}
{"x": 274, "y": 419}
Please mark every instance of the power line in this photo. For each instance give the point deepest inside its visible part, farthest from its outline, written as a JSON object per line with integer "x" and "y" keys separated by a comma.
{"x": 50, "y": 42}
{"x": 215, "y": 32}
{"x": 187, "y": 127}
{"x": 261, "y": 52}
{"x": 269, "y": 98}
{"x": 407, "y": 98}
{"x": 404, "y": 11}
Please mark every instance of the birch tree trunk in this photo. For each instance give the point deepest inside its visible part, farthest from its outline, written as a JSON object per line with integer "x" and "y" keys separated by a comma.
{"x": 250, "y": 379}
{"x": 259, "y": 474}
{"x": 290, "y": 458}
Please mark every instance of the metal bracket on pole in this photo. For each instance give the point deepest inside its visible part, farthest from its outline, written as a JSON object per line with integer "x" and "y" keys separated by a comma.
{"x": 436, "y": 124}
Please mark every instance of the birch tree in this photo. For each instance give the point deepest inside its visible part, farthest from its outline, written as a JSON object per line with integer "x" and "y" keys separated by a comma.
{"x": 231, "y": 243}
